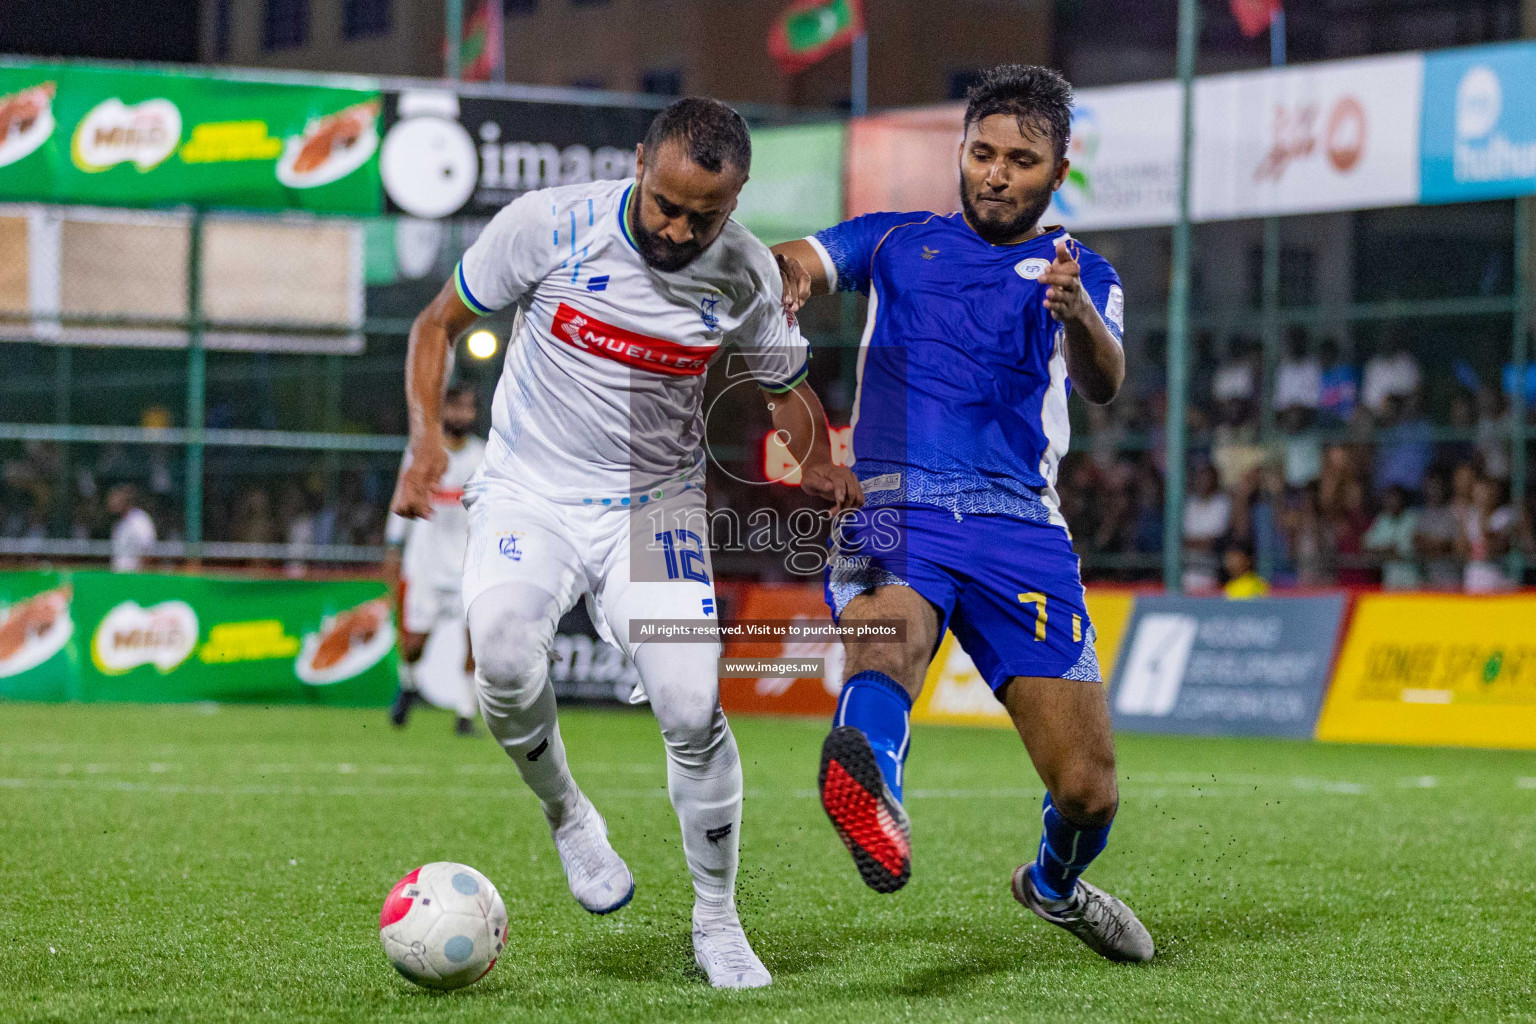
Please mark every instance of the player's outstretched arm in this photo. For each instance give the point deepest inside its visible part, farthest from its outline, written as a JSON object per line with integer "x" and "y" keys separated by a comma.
{"x": 426, "y": 363}
{"x": 799, "y": 415}
{"x": 1095, "y": 360}
{"x": 803, "y": 272}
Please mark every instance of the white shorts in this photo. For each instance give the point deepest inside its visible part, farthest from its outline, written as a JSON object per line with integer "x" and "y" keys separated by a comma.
{"x": 424, "y": 607}
{"x": 641, "y": 561}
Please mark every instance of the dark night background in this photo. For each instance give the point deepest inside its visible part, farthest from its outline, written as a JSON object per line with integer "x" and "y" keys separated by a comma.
{"x": 165, "y": 30}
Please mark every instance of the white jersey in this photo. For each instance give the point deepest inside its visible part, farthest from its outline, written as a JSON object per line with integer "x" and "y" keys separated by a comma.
{"x": 602, "y": 390}
{"x": 132, "y": 536}
{"x": 434, "y": 548}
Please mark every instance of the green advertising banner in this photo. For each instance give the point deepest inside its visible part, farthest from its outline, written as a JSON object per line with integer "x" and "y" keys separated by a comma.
{"x": 101, "y": 636}
{"x": 796, "y": 186}
{"x": 79, "y": 134}
{"x": 37, "y": 652}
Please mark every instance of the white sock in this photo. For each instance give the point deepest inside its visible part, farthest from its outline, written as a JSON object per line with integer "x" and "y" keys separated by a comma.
{"x": 407, "y": 674}
{"x": 469, "y": 706}
{"x": 531, "y": 737}
{"x": 708, "y": 805}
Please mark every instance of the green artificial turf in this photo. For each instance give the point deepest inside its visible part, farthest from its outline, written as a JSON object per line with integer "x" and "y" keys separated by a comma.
{"x": 187, "y": 864}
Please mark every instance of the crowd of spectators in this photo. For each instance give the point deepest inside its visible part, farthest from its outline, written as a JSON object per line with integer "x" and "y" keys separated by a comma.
{"x": 1339, "y": 478}
{"x": 1353, "y": 486}
{"x": 130, "y": 497}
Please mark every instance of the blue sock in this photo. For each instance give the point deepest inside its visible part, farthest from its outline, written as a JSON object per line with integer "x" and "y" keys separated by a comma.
{"x": 1065, "y": 851}
{"x": 878, "y": 706}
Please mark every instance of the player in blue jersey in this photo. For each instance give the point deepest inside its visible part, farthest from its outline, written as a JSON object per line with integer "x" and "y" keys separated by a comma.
{"x": 980, "y": 325}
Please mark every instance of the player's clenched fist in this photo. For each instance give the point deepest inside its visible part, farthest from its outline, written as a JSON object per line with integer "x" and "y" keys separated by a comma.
{"x": 418, "y": 482}
{"x": 1064, "y": 294}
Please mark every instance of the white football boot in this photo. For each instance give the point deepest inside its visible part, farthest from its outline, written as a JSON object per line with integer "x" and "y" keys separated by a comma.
{"x": 598, "y": 877}
{"x": 1105, "y": 924}
{"x": 722, "y": 951}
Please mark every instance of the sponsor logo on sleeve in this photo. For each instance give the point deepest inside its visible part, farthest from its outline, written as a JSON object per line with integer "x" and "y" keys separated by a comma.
{"x": 1114, "y": 309}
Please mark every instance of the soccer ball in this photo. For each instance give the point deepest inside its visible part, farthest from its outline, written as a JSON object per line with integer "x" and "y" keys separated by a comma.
{"x": 443, "y": 925}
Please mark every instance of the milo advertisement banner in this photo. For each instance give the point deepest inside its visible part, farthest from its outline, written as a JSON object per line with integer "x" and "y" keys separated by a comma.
{"x": 37, "y": 656}
{"x": 80, "y": 134}
{"x": 101, "y": 636}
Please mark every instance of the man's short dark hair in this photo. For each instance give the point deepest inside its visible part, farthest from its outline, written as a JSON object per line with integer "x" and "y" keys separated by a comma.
{"x": 1038, "y": 97}
{"x": 458, "y": 389}
{"x": 712, "y": 134}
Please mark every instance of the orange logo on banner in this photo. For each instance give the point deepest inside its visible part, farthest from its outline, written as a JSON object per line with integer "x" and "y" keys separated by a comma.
{"x": 808, "y": 696}
{"x": 954, "y": 693}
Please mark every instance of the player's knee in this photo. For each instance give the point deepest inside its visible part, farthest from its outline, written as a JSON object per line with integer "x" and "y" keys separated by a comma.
{"x": 1087, "y": 798}
{"x": 511, "y": 654}
{"x": 690, "y": 724}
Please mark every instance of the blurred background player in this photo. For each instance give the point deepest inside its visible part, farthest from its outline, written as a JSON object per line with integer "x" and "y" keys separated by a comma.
{"x": 980, "y": 323}
{"x": 430, "y": 573}
{"x": 593, "y": 479}
{"x": 133, "y": 531}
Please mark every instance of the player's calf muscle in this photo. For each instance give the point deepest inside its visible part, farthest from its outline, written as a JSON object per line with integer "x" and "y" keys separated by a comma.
{"x": 907, "y": 661}
{"x": 1064, "y": 724}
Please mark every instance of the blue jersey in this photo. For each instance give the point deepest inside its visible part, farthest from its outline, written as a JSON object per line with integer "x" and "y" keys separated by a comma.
{"x": 962, "y": 396}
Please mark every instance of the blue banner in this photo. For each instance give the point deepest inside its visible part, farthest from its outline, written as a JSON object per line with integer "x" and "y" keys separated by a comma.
{"x": 1478, "y": 133}
{"x": 1214, "y": 667}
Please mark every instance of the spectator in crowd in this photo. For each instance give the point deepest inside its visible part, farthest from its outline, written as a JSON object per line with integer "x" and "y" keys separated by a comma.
{"x": 296, "y": 517}
{"x": 1243, "y": 580}
{"x": 1347, "y": 526}
{"x": 1207, "y": 518}
{"x": 1493, "y": 433}
{"x": 1405, "y": 444}
{"x": 1267, "y": 503}
{"x": 1237, "y": 378}
{"x": 1391, "y": 539}
{"x": 1340, "y": 386}
{"x": 1147, "y": 529}
{"x": 1392, "y": 372}
{"x": 1202, "y": 371}
{"x": 1299, "y": 377}
{"x": 1436, "y": 532}
{"x": 253, "y": 522}
{"x": 1489, "y": 530}
{"x": 1303, "y": 451}
{"x": 1463, "y": 420}
{"x": 1309, "y": 540}
{"x": 133, "y": 530}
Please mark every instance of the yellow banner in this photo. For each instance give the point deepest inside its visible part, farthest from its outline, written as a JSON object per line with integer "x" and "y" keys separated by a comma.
{"x": 1438, "y": 670}
{"x": 955, "y": 693}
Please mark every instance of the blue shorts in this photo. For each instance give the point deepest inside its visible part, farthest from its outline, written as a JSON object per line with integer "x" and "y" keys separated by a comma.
{"x": 1008, "y": 588}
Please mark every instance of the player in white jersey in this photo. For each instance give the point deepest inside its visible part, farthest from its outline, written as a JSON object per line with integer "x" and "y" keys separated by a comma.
{"x": 430, "y": 570}
{"x": 593, "y": 479}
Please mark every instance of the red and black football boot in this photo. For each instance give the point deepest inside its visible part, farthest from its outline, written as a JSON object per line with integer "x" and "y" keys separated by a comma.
{"x": 868, "y": 818}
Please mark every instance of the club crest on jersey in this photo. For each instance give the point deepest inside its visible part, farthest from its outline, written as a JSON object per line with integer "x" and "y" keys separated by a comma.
{"x": 506, "y": 543}
{"x": 589, "y": 334}
{"x": 1032, "y": 268}
{"x": 707, "y": 315}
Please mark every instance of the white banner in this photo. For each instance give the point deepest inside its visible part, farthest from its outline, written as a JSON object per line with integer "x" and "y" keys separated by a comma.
{"x": 1336, "y": 136}
{"x": 1125, "y": 158}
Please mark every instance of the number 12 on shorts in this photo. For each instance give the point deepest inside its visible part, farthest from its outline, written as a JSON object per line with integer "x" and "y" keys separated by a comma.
{"x": 1037, "y": 599}
{"x": 685, "y": 555}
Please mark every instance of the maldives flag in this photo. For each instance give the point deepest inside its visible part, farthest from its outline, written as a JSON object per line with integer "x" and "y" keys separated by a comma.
{"x": 808, "y": 30}
{"x": 1253, "y": 15}
{"x": 482, "y": 34}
